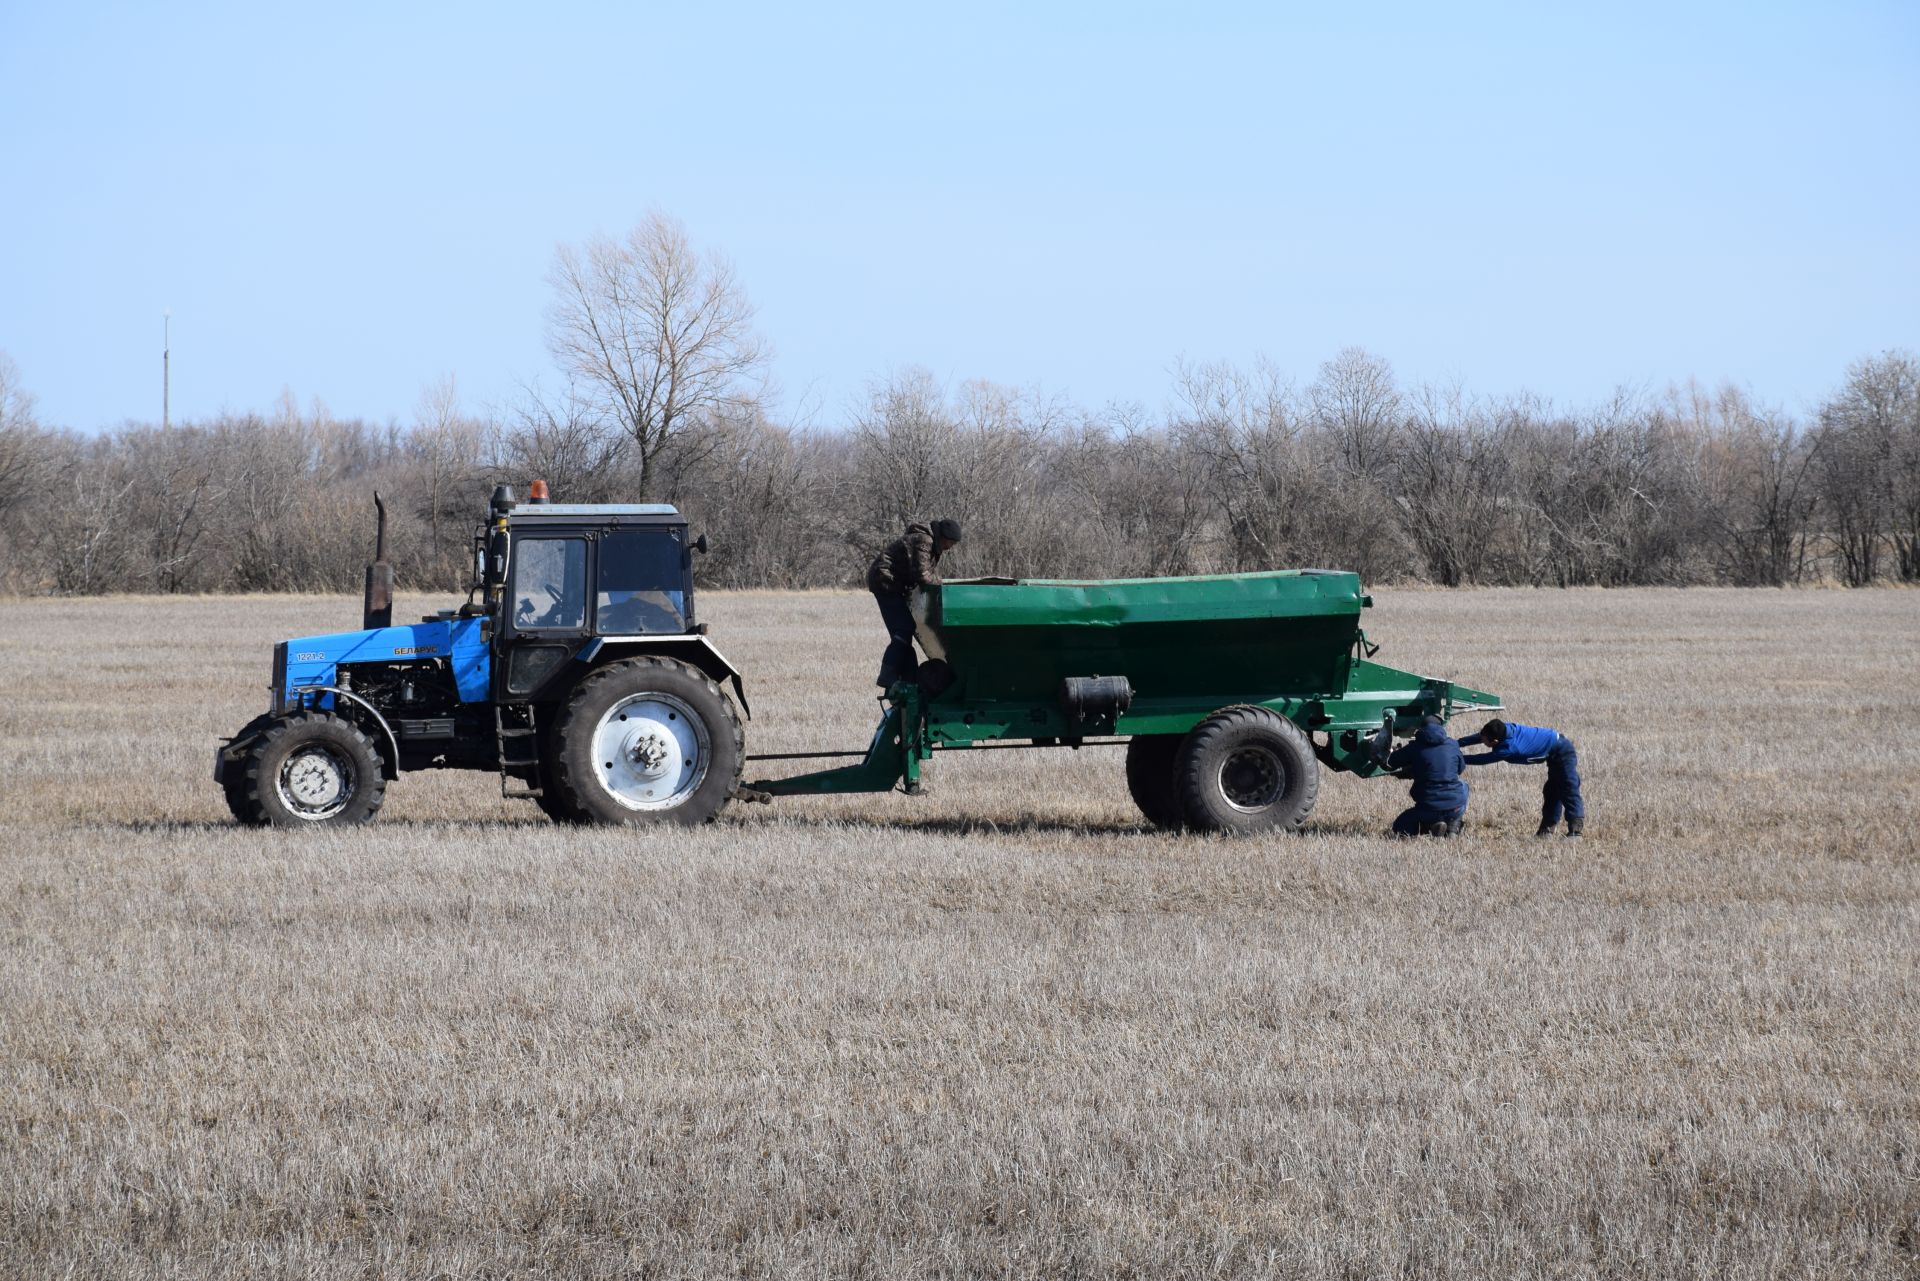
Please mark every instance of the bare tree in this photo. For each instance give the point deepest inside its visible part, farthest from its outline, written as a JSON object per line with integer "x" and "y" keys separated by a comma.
{"x": 23, "y": 448}
{"x": 1243, "y": 433}
{"x": 766, "y": 490}
{"x": 1874, "y": 476}
{"x": 1001, "y": 486}
{"x": 168, "y": 511}
{"x": 1139, "y": 496}
{"x": 87, "y": 534}
{"x": 446, "y": 445}
{"x": 1756, "y": 494}
{"x": 565, "y": 440}
{"x": 1354, "y": 400}
{"x": 986, "y": 456}
{"x": 1904, "y": 475}
{"x": 1450, "y": 476}
{"x": 905, "y": 440}
{"x": 1357, "y": 412}
{"x": 1868, "y": 455}
{"x": 663, "y": 333}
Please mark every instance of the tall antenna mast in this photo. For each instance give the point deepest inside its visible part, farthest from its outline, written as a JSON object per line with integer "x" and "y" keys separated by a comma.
{"x": 166, "y": 369}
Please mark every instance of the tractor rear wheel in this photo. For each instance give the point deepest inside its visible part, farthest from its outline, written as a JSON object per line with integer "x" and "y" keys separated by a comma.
{"x": 550, "y": 801}
{"x": 647, "y": 740}
{"x": 1246, "y": 769}
{"x": 306, "y": 768}
{"x": 1150, "y": 759}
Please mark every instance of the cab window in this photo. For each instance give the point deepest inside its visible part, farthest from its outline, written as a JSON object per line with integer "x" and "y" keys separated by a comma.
{"x": 642, "y": 582}
{"x": 549, "y": 584}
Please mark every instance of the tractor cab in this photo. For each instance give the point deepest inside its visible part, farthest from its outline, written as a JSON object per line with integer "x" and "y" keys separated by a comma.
{"x": 599, "y": 571}
{"x": 576, "y": 575}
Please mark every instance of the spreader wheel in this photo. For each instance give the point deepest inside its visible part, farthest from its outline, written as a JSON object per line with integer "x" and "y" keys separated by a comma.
{"x": 647, "y": 740}
{"x": 1246, "y": 769}
{"x": 1150, "y": 759}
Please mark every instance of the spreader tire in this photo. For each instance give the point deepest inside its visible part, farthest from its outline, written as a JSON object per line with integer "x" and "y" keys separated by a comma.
{"x": 1150, "y": 760}
{"x": 308, "y": 768}
{"x": 1246, "y": 769}
{"x": 647, "y": 740}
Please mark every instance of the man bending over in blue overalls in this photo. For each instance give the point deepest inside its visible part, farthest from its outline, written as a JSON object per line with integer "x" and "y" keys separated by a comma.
{"x": 1529, "y": 745}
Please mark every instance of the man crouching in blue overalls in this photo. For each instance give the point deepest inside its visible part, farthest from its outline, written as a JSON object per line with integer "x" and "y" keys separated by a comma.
{"x": 1529, "y": 745}
{"x": 1439, "y": 795}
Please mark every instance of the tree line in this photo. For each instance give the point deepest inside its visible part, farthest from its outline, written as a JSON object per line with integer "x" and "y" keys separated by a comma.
{"x": 1242, "y": 469}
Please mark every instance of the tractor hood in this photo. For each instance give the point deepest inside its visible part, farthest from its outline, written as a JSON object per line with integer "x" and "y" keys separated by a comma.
{"x": 316, "y": 660}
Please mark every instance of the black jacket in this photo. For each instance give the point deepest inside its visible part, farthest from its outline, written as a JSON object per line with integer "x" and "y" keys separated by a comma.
{"x": 1433, "y": 761}
{"x": 910, "y": 561}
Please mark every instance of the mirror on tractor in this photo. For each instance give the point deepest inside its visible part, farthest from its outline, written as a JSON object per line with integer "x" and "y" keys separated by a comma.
{"x": 700, "y": 544}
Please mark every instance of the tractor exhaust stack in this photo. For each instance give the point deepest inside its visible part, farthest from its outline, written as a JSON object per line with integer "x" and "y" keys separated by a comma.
{"x": 378, "y": 608}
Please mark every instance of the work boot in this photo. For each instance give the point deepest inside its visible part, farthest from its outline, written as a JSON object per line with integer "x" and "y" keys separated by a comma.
{"x": 1546, "y": 830}
{"x": 1573, "y": 827}
{"x": 1453, "y": 828}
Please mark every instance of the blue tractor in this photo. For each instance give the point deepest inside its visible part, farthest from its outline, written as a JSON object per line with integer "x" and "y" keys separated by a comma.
{"x": 576, "y": 670}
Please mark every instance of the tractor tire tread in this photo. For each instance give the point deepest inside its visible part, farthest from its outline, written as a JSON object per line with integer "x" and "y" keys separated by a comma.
{"x": 577, "y": 792}
{"x": 551, "y": 801}
{"x": 255, "y": 789}
{"x": 233, "y": 778}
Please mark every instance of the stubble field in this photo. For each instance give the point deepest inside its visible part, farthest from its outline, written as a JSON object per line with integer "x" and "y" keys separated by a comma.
{"x": 1002, "y": 1030}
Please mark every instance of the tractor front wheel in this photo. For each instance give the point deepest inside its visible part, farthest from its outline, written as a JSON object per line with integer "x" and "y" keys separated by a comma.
{"x": 1246, "y": 769}
{"x": 646, "y": 740}
{"x": 233, "y": 774}
{"x": 306, "y": 768}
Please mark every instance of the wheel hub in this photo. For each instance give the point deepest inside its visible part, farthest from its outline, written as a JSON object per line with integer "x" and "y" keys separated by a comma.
{"x": 650, "y": 751}
{"x": 315, "y": 783}
{"x": 1252, "y": 779}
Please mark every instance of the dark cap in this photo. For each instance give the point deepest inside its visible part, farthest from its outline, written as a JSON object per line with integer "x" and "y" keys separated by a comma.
{"x": 1493, "y": 732}
{"x": 947, "y": 528}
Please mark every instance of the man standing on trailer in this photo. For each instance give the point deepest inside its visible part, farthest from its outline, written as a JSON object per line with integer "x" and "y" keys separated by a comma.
{"x": 1529, "y": 745}
{"x": 908, "y": 562}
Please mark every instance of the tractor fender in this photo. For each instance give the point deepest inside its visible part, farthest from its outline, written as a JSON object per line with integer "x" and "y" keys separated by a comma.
{"x": 389, "y": 745}
{"x": 693, "y": 649}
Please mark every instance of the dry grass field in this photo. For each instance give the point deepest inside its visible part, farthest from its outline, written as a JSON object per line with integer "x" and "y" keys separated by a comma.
{"x": 1003, "y": 1030}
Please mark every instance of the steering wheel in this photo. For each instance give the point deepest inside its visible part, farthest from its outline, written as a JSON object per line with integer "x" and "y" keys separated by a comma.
{"x": 523, "y": 612}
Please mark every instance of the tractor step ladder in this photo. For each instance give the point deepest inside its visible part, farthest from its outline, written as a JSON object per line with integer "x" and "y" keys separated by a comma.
{"x": 519, "y": 745}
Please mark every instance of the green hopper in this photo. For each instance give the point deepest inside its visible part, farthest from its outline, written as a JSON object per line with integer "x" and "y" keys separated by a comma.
{"x": 1230, "y": 691}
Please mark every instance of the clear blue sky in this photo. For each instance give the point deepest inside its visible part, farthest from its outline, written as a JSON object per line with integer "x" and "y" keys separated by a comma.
{"x": 352, "y": 201}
